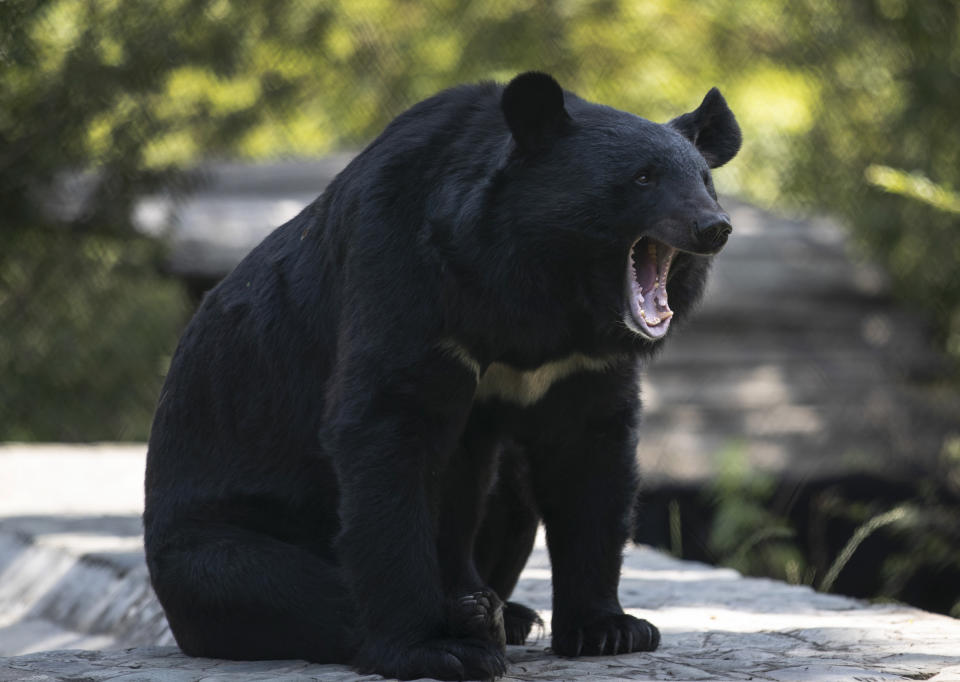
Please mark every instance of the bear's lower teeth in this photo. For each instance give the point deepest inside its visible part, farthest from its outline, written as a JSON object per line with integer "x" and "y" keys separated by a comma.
{"x": 648, "y": 268}
{"x": 663, "y": 317}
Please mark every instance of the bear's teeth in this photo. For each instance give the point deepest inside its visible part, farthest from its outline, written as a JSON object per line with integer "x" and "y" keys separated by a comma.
{"x": 656, "y": 319}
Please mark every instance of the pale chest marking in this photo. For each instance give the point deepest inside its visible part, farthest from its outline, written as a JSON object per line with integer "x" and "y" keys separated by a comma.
{"x": 525, "y": 387}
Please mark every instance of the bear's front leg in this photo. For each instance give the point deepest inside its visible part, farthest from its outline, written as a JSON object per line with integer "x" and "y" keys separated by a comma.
{"x": 474, "y": 609}
{"x": 391, "y": 437}
{"x": 584, "y": 477}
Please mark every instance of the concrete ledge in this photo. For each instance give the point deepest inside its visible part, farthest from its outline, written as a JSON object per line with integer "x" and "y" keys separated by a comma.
{"x": 54, "y": 597}
{"x": 716, "y": 625}
{"x": 74, "y": 577}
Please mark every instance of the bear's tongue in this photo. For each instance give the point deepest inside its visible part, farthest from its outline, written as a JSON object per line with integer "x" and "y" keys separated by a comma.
{"x": 650, "y": 262}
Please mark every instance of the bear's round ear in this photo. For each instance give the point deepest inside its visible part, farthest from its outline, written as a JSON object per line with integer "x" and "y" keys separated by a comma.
{"x": 712, "y": 128}
{"x": 532, "y": 103}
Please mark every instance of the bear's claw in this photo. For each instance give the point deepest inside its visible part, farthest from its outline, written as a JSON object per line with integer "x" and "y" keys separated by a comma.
{"x": 608, "y": 635}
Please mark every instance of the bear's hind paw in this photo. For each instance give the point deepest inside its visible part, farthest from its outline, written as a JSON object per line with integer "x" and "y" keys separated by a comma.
{"x": 518, "y": 621}
{"x": 441, "y": 659}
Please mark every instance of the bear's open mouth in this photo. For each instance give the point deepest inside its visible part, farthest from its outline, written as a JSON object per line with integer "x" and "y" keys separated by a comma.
{"x": 647, "y": 270}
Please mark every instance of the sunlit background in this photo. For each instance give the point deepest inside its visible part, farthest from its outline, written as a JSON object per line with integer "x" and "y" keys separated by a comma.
{"x": 144, "y": 146}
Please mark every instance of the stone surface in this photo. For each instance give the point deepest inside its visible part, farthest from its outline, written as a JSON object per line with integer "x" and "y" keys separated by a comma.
{"x": 75, "y": 578}
{"x": 716, "y": 625}
{"x": 71, "y": 549}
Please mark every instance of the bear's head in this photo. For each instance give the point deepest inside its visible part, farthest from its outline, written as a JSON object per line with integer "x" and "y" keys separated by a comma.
{"x": 623, "y": 206}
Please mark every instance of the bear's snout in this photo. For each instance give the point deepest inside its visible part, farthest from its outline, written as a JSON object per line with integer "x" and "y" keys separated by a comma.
{"x": 711, "y": 231}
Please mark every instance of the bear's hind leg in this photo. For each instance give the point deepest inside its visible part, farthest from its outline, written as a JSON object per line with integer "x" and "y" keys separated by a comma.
{"x": 233, "y": 593}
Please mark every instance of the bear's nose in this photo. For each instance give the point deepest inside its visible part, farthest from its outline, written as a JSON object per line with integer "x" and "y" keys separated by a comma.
{"x": 713, "y": 231}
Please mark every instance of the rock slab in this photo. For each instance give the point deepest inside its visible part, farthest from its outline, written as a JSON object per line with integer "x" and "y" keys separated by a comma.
{"x": 716, "y": 625}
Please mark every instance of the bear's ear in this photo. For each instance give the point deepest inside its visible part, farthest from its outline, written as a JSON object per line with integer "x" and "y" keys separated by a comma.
{"x": 532, "y": 103}
{"x": 712, "y": 128}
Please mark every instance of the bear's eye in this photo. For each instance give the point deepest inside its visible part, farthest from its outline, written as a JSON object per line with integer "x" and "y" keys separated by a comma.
{"x": 644, "y": 177}
{"x": 708, "y": 183}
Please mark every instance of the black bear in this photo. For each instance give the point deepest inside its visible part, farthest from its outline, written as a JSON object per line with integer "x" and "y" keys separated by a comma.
{"x": 365, "y": 422}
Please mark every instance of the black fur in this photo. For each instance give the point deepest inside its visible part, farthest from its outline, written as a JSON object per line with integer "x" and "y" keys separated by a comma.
{"x": 327, "y": 480}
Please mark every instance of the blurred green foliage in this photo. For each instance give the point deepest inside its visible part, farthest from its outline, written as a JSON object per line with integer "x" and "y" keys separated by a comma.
{"x": 745, "y": 533}
{"x": 914, "y": 542}
{"x": 87, "y": 319}
{"x": 137, "y": 91}
{"x": 88, "y": 326}
{"x": 915, "y": 186}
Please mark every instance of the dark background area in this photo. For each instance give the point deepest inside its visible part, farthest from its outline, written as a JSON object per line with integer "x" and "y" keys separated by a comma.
{"x": 849, "y": 110}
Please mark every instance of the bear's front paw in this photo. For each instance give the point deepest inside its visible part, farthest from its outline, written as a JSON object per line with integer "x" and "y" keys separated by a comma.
{"x": 609, "y": 634}
{"x": 441, "y": 659}
{"x": 478, "y": 615}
